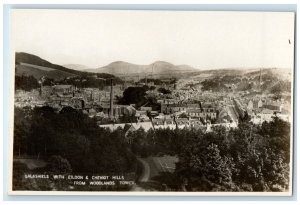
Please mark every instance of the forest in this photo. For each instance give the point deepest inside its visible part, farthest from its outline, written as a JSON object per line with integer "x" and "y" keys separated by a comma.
{"x": 70, "y": 142}
{"x": 249, "y": 158}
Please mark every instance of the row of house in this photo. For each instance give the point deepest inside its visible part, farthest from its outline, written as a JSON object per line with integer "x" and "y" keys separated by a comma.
{"x": 193, "y": 110}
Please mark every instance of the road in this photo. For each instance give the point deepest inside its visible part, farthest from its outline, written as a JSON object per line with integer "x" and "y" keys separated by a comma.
{"x": 144, "y": 178}
{"x": 145, "y": 175}
{"x": 232, "y": 112}
{"x": 31, "y": 163}
{"x": 152, "y": 168}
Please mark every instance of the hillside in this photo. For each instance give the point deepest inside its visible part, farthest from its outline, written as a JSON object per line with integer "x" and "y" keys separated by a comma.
{"x": 32, "y": 65}
{"x": 38, "y": 72}
{"x": 77, "y": 67}
{"x": 35, "y": 60}
{"x": 272, "y": 80}
{"x": 121, "y": 68}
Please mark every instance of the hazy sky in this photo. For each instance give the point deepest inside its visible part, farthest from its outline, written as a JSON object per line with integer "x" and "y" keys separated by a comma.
{"x": 200, "y": 39}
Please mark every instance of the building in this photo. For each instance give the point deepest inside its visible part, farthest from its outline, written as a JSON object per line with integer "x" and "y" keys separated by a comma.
{"x": 202, "y": 113}
{"x": 118, "y": 110}
{"x": 63, "y": 89}
{"x": 179, "y": 107}
{"x": 254, "y": 104}
{"x": 146, "y": 109}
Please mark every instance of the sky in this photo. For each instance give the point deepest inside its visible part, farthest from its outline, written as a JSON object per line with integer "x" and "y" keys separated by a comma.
{"x": 204, "y": 40}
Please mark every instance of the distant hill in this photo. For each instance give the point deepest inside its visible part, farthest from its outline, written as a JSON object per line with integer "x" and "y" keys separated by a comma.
{"x": 121, "y": 68}
{"x": 35, "y": 60}
{"x": 273, "y": 80}
{"x": 77, "y": 67}
{"x": 283, "y": 74}
{"x": 39, "y": 71}
{"x": 32, "y": 65}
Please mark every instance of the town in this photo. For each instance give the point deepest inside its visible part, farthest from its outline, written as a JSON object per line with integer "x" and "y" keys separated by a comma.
{"x": 168, "y": 103}
{"x": 151, "y": 101}
{"x": 146, "y": 125}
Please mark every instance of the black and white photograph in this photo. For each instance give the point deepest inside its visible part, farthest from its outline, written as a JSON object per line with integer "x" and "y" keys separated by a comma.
{"x": 151, "y": 102}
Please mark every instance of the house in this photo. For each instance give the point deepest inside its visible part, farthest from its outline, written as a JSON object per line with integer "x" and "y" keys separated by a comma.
{"x": 254, "y": 104}
{"x": 179, "y": 107}
{"x": 144, "y": 118}
{"x": 172, "y": 108}
{"x": 273, "y": 106}
{"x": 250, "y": 105}
{"x": 119, "y": 110}
{"x": 78, "y": 102}
{"x": 146, "y": 109}
{"x": 46, "y": 91}
{"x": 92, "y": 112}
{"x": 154, "y": 113}
{"x": 144, "y": 125}
{"x": 182, "y": 122}
{"x": 202, "y": 113}
{"x": 63, "y": 89}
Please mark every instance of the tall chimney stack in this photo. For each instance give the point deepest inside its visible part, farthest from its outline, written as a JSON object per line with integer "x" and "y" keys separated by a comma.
{"x": 111, "y": 112}
{"x": 260, "y": 78}
{"x": 41, "y": 89}
{"x": 41, "y": 85}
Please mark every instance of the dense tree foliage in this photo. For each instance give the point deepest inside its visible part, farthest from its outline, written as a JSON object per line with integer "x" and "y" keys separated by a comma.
{"x": 48, "y": 81}
{"x": 249, "y": 158}
{"x": 100, "y": 82}
{"x": 74, "y": 138}
{"x": 26, "y": 83}
{"x": 270, "y": 83}
{"x": 164, "y": 91}
{"x": 215, "y": 84}
{"x": 155, "y": 81}
{"x": 158, "y": 81}
{"x": 134, "y": 95}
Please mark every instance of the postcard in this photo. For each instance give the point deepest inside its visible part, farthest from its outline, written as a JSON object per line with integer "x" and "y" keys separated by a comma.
{"x": 136, "y": 102}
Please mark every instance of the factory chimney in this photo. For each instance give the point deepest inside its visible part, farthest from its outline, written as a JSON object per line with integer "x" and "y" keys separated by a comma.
{"x": 41, "y": 89}
{"x": 260, "y": 78}
{"x": 41, "y": 81}
{"x": 91, "y": 96}
{"x": 111, "y": 111}
{"x": 146, "y": 83}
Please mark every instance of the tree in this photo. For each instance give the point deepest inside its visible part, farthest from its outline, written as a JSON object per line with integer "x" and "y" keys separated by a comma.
{"x": 22, "y": 120}
{"x": 19, "y": 183}
{"x": 59, "y": 165}
{"x": 216, "y": 168}
{"x": 26, "y": 83}
{"x": 70, "y": 134}
{"x": 200, "y": 165}
{"x": 152, "y": 87}
{"x": 245, "y": 118}
{"x": 134, "y": 95}
{"x": 164, "y": 91}
{"x": 183, "y": 115}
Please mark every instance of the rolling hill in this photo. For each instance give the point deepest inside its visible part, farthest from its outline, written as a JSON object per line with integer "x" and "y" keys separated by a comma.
{"x": 158, "y": 67}
{"x": 35, "y": 60}
{"x": 39, "y": 71}
{"x": 32, "y": 65}
{"x": 77, "y": 67}
{"x": 273, "y": 80}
